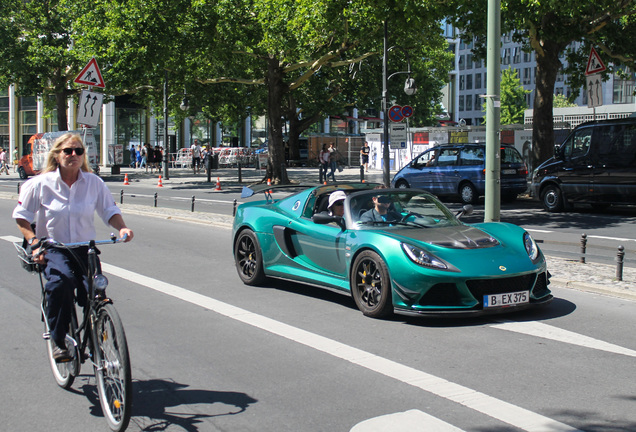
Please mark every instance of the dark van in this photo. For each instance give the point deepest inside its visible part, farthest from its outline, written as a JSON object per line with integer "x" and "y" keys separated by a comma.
{"x": 596, "y": 164}
{"x": 460, "y": 170}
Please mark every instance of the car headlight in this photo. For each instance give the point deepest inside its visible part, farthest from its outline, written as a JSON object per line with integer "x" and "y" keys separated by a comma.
{"x": 423, "y": 258}
{"x": 531, "y": 246}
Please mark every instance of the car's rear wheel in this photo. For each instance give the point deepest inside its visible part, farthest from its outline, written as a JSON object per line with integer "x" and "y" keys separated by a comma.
{"x": 467, "y": 193}
{"x": 552, "y": 199}
{"x": 249, "y": 258}
{"x": 371, "y": 285}
{"x": 22, "y": 173}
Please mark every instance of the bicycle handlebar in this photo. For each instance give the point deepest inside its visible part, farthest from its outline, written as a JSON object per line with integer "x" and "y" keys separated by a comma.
{"x": 54, "y": 243}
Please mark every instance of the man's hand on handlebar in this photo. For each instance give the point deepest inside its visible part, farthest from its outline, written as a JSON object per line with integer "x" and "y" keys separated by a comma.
{"x": 126, "y": 234}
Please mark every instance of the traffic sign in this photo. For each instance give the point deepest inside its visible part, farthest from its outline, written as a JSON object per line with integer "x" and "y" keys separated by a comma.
{"x": 594, "y": 63}
{"x": 594, "y": 88}
{"x": 398, "y": 136}
{"x": 407, "y": 111}
{"x": 90, "y": 105}
{"x": 91, "y": 75}
{"x": 395, "y": 113}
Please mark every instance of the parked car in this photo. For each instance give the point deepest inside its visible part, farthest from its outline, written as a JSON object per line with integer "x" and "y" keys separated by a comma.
{"x": 423, "y": 261}
{"x": 459, "y": 170}
{"x": 596, "y": 164}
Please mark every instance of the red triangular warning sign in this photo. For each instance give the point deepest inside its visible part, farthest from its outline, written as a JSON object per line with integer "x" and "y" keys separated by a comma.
{"x": 91, "y": 75}
{"x": 594, "y": 63}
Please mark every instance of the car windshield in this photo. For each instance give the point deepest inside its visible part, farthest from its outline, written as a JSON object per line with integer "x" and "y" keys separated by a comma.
{"x": 398, "y": 208}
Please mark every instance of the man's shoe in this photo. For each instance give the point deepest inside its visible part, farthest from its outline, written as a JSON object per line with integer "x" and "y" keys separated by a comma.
{"x": 61, "y": 355}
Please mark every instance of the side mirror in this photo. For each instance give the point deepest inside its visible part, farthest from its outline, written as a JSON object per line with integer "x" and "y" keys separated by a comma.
{"x": 324, "y": 219}
{"x": 466, "y": 210}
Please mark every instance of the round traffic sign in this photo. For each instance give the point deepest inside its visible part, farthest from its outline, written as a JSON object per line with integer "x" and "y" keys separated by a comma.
{"x": 395, "y": 113}
{"x": 407, "y": 111}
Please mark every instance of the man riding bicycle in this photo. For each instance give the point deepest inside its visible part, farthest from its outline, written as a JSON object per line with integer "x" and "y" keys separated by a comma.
{"x": 62, "y": 202}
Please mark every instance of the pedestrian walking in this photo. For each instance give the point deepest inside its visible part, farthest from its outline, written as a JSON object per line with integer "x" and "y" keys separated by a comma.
{"x": 364, "y": 156}
{"x": 3, "y": 161}
{"x": 333, "y": 161}
{"x": 16, "y": 160}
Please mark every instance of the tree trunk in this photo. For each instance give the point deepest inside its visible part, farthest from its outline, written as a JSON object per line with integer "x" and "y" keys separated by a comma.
{"x": 276, "y": 88}
{"x": 548, "y": 65}
{"x": 61, "y": 104}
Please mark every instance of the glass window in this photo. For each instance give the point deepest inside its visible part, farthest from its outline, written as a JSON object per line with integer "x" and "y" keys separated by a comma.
{"x": 461, "y": 103}
{"x": 478, "y": 81}
{"x": 469, "y": 82}
{"x": 469, "y": 102}
{"x": 469, "y": 61}
{"x": 477, "y": 103}
{"x": 462, "y": 62}
{"x": 462, "y": 82}
{"x": 472, "y": 156}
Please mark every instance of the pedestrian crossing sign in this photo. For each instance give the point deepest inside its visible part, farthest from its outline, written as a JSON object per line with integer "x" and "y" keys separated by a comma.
{"x": 91, "y": 75}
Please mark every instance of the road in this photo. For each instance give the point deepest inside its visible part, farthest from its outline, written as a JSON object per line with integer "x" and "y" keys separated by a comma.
{"x": 210, "y": 354}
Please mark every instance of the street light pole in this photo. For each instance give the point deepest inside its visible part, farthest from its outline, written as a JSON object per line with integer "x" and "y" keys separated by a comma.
{"x": 166, "y": 156}
{"x": 386, "y": 177}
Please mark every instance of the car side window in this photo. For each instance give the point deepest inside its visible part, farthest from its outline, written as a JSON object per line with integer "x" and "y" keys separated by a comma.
{"x": 447, "y": 157}
{"x": 579, "y": 146}
{"x": 472, "y": 156}
{"x": 426, "y": 158}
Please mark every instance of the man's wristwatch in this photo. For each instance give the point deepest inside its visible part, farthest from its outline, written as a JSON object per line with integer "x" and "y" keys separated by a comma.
{"x": 32, "y": 240}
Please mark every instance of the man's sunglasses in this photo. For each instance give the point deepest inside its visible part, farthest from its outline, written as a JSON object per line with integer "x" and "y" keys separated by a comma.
{"x": 78, "y": 151}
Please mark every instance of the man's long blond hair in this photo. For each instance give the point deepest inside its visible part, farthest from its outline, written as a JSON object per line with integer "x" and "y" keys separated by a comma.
{"x": 51, "y": 158}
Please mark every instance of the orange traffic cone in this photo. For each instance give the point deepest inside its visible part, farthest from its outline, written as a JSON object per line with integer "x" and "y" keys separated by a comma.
{"x": 218, "y": 184}
{"x": 269, "y": 182}
{"x": 160, "y": 184}
{"x": 126, "y": 180}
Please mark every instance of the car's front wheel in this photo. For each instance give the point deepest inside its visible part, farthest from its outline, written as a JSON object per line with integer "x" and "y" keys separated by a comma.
{"x": 371, "y": 285}
{"x": 249, "y": 258}
{"x": 468, "y": 193}
{"x": 402, "y": 184}
{"x": 22, "y": 173}
{"x": 552, "y": 199}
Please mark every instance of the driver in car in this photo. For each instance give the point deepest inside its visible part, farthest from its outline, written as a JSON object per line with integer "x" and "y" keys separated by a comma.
{"x": 380, "y": 212}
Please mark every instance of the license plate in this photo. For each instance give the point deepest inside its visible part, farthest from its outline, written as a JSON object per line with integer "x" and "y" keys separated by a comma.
{"x": 506, "y": 299}
{"x": 509, "y": 171}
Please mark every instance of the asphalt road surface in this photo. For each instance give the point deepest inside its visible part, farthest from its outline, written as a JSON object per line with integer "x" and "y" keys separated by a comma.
{"x": 211, "y": 354}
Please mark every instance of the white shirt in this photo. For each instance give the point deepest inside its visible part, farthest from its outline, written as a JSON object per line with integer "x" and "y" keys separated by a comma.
{"x": 196, "y": 150}
{"x": 66, "y": 214}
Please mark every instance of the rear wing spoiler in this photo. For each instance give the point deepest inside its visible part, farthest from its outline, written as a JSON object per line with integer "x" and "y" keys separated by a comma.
{"x": 249, "y": 191}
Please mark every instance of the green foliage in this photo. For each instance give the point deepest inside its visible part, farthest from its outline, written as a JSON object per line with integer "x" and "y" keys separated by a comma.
{"x": 513, "y": 99}
{"x": 560, "y": 101}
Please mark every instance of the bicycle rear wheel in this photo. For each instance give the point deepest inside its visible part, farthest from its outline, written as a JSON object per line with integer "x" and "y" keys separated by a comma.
{"x": 112, "y": 370}
{"x": 64, "y": 372}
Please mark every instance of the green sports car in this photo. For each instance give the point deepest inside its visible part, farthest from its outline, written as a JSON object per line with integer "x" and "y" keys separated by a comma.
{"x": 394, "y": 250}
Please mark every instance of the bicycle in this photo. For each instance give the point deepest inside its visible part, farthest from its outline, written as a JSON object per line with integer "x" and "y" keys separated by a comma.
{"x": 99, "y": 337}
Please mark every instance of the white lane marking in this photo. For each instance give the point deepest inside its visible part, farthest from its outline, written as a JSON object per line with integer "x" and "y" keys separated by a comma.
{"x": 488, "y": 405}
{"x": 546, "y": 331}
{"x": 538, "y": 230}
{"x": 11, "y": 238}
{"x": 610, "y": 238}
{"x": 411, "y": 420}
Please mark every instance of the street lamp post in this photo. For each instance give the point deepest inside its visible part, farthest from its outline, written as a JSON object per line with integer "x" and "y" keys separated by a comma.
{"x": 409, "y": 88}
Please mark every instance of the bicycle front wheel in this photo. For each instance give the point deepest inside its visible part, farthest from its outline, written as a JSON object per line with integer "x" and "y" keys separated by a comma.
{"x": 112, "y": 368}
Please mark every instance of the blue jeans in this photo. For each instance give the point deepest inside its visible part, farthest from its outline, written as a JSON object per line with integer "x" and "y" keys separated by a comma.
{"x": 332, "y": 173}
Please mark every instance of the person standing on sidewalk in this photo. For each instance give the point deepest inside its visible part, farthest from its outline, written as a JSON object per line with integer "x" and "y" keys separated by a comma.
{"x": 323, "y": 163}
{"x": 333, "y": 161}
{"x": 196, "y": 156}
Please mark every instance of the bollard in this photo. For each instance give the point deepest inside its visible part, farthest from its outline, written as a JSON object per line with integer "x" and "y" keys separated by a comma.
{"x": 619, "y": 263}
{"x": 583, "y": 244}
{"x": 240, "y": 176}
{"x": 155, "y": 199}
{"x": 192, "y": 203}
{"x": 121, "y": 197}
{"x": 234, "y": 208}
{"x": 361, "y": 173}
{"x": 18, "y": 188}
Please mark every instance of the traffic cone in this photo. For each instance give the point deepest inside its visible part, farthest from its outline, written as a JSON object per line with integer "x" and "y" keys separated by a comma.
{"x": 218, "y": 184}
{"x": 126, "y": 180}
{"x": 160, "y": 184}
{"x": 269, "y": 182}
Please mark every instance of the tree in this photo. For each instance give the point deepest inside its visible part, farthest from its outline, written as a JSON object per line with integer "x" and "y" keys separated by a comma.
{"x": 288, "y": 46}
{"x": 513, "y": 98}
{"x": 548, "y": 27}
{"x": 560, "y": 101}
{"x": 36, "y": 50}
